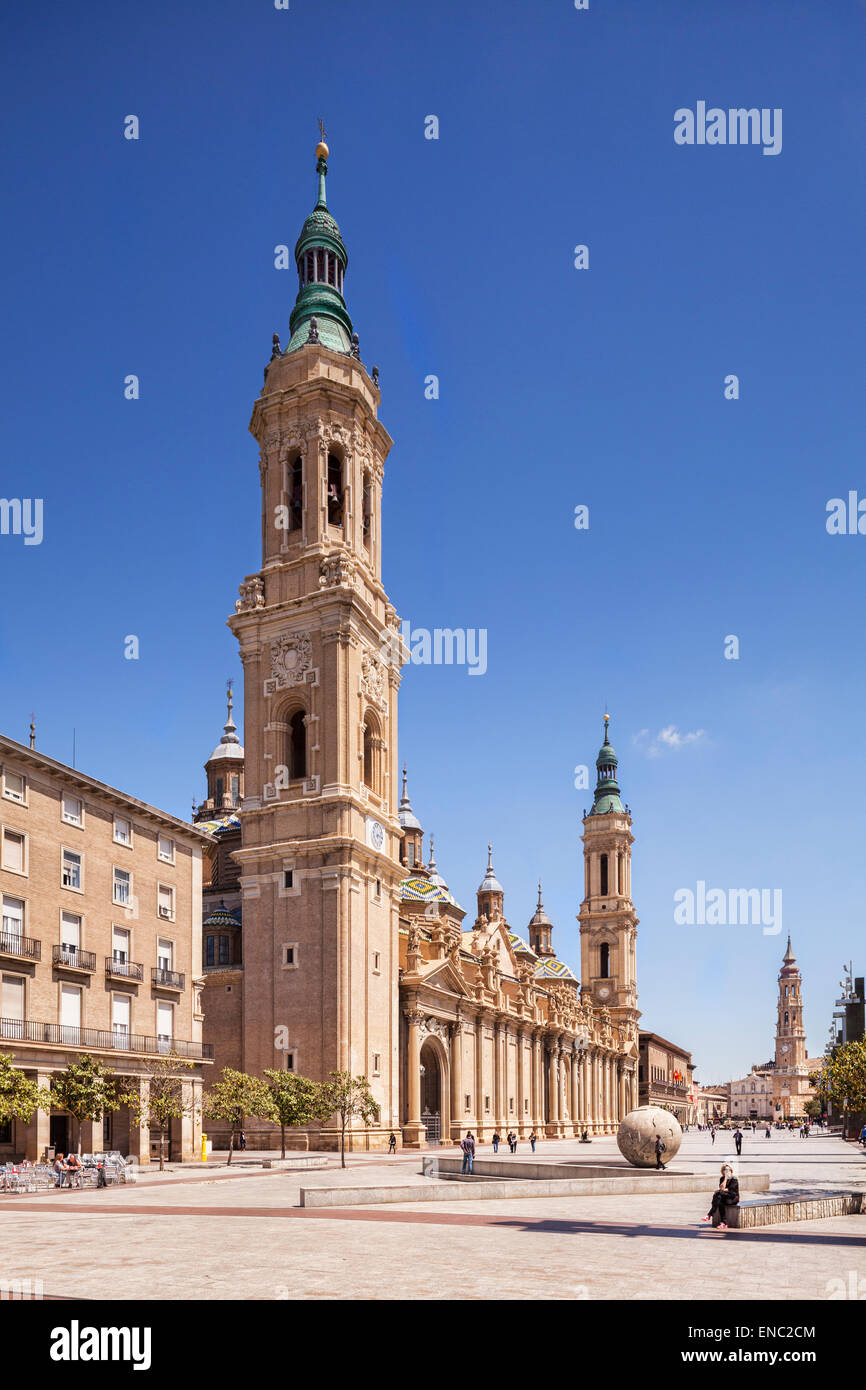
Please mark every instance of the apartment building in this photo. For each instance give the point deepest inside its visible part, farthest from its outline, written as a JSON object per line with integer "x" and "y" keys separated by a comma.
{"x": 100, "y": 946}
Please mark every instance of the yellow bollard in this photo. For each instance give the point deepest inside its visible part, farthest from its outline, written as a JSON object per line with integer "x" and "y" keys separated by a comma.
{"x": 204, "y": 1148}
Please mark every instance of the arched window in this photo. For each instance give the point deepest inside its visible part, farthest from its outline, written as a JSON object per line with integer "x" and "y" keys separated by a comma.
{"x": 368, "y": 509}
{"x": 603, "y": 875}
{"x": 368, "y": 757}
{"x": 209, "y": 956}
{"x": 335, "y": 491}
{"x": 786, "y": 1016}
{"x": 604, "y": 956}
{"x": 218, "y": 795}
{"x": 296, "y": 494}
{"x": 297, "y": 746}
{"x": 332, "y": 270}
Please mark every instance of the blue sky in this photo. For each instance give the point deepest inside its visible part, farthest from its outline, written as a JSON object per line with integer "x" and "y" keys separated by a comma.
{"x": 558, "y": 387}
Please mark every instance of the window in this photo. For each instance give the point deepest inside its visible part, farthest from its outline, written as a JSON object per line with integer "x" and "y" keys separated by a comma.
{"x": 164, "y": 954}
{"x": 122, "y": 831}
{"x": 14, "y": 787}
{"x": 209, "y": 950}
{"x": 604, "y": 875}
{"x": 70, "y": 936}
{"x": 70, "y": 876}
{"x": 290, "y": 956}
{"x": 410, "y": 848}
{"x": 72, "y": 809}
{"x": 335, "y": 491}
{"x": 14, "y": 852}
{"x": 165, "y": 849}
{"x": 5, "y": 1131}
{"x": 297, "y": 746}
{"x": 12, "y": 1003}
{"x": 291, "y": 1061}
{"x": 236, "y": 789}
{"x": 121, "y": 1008}
{"x": 367, "y": 509}
{"x": 486, "y": 1102}
{"x": 377, "y": 891}
{"x": 604, "y": 960}
{"x": 288, "y": 879}
{"x": 165, "y": 902}
{"x": 377, "y": 958}
{"x": 119, "y": 946}
{"x": 122, "y": 891}
{"x": 225, "y": 951}
{"x": 13, "y": 924}
{"x": 368, "y": 774}
{"x": 377, "y": 1063}
{"x": 70, "y": 1013}
{"x": 220, "y": 787}
{"x": 164, "y": 1025}
{"x": 296, "y": 494}
{"x": 467, "y": 1102}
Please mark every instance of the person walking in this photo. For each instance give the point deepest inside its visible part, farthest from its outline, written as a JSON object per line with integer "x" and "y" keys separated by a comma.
{"x": 767, "y": 1131}
{"x": 727, "y": 1194}
{"x": 243, "y": 1140}
{"x": 863, "y": 1136}
{"x": 534, "y": 1137}
{"x": 512, "y": 1142}
{"x": 738, "y": 1140}
{"x": 468, "y": 1147}
{"x": 660, "y": 1148}
{"x": 497, "y": 1140}
{"x": 713, "y": 1133}
{"x": 392, "y": 1143}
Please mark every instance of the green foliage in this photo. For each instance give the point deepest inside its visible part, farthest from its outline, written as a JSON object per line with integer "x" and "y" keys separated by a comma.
{"x": 842, "y": 1078}
{"x": 164, "y": 1099}
{"x": 350, "y": 1096}
{"x": 297, "y": 1100}
{"x": 236, "y": 1096}
{"x": 86, "y": 1089}
{"x": 20, "y": 1096}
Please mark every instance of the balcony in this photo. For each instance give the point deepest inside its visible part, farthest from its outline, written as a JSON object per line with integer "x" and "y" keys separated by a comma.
{"x": 99, "y": 1040}
{"x": 123, "y": 969}
{"x": 21, "y": 947}
{"x": 71, "y": 958}
{"x": 166, "y": 979}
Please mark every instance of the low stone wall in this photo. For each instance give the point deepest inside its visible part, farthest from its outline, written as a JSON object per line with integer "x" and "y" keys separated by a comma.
{"x": 474, "y": 1189}
{"x": 773, "y": 1213}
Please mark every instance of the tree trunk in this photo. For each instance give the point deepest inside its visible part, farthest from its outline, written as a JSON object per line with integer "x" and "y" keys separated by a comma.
{"x": 162, "y": 1152}
{"x": 343, "y": 1142}
{"x": 283, "y": 1137}
{"x": 231, "y": 1145}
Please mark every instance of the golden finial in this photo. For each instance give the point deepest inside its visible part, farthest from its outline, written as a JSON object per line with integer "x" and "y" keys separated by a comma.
{"x": 322, "y": 150}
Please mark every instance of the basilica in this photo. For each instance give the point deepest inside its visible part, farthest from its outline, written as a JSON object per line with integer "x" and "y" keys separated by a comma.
{"x": 331, "y": 939}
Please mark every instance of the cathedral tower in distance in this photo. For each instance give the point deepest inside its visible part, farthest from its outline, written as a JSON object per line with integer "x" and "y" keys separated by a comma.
{"x": 790, "y": 1078}
{"x": 319, "y": 856}
{"x": 608, "y": 923}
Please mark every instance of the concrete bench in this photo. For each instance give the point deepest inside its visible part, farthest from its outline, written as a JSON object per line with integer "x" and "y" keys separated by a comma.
{"x": 792, "y": 1206}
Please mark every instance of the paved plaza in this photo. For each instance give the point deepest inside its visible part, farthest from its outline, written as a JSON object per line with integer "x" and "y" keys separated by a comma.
{"x": 239, "y": 1233}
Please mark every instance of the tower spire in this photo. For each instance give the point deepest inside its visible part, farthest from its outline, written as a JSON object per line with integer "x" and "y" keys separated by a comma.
{"x": 321, "y": 258}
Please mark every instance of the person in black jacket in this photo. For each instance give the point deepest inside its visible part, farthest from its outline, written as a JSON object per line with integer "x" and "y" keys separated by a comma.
{"x": 727, "y": 1194}
{"x": 660, "y": 1147}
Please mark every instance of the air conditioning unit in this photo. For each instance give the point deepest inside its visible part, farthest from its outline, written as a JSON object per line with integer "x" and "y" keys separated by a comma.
{"x": 165, "y": 912}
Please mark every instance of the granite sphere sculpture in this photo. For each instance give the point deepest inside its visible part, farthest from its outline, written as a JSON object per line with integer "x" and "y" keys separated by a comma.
{"x": 637, "y": 1134}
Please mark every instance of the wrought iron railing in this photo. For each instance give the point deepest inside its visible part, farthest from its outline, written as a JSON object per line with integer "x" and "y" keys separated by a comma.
{"x": 124, "y": 969}
{"x": 23, "y": 946}
{"x": 73, "y": 958}
{"x": 59, "y": 1034}
{"x": 166, "y": 979}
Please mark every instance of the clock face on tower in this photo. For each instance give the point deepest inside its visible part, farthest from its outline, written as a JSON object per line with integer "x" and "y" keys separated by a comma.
{"x": 603, "y": 992}
{"x": 784, "y": 1047}
{"x": 375, "y": 833}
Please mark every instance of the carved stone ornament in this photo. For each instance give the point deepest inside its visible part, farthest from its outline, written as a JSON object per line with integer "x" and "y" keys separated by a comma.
{"x": 373, "y": 679}
{"x": 336, "y": 570}
{"x": 291, "y": 658}
{"x": 252, "y": 594}
{"x": 437, "y": 1027}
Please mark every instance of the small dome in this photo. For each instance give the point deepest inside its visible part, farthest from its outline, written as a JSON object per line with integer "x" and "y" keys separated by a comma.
{"x": 405, "y": 815}
{"x": 222, "y": 917}
{"x": 490, "y": 883}
{"x": 229, "y": 745}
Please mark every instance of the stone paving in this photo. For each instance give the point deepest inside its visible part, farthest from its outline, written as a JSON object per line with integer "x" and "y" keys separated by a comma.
{"x": 239, "y": 1234}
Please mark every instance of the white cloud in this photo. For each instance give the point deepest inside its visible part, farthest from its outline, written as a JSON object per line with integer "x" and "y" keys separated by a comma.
{"x": 668, "y": 738}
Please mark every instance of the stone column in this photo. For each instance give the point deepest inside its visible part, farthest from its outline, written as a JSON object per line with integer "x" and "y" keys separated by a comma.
{"x": 38, "y": 1131}
{"x": 498, "y": 1077}
{"x": 608, "y": 1092}
{"x": 575, "y": 1090}
{"x": 534, "y": 1103}
{"x": 553, "y": 1083}
{"x": 520, "y": 1127}
{"x": 413, "y": 1131}
{"x": 139, "y": 1133}
{"x": 457, "y": 1110}
{"x": 479, "y": 1075}
{"x": 597, "y": 1126}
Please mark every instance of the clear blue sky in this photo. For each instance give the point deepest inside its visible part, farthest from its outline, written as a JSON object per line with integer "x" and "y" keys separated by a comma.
{"x": 558, "y": 387}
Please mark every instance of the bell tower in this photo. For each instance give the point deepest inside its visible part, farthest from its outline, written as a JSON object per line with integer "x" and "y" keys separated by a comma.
{"x": 608, "y": 924}
{"x": 790, "y": 1081}
{"x": 321, "y": 655}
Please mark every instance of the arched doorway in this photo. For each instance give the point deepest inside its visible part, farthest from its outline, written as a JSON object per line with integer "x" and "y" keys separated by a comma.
{"x": 431, "y": 1092}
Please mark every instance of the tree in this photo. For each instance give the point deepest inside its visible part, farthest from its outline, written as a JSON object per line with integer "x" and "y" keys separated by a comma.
{"x": 349, "y": 1096}
{"x": 297, "y": 1100}
{"x": 20, "y": 1096}
{"x": 842, "y": 1078}
{"x": 814, "y": 1109}
{"x": 86, "y": 1089}
{"x": 164, "y": 1100}
{"x": 236, "y": 1096}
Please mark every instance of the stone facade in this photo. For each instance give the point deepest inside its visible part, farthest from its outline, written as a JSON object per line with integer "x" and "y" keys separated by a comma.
{"x": 100, "y": 948}
{"x": 348, "y": 953}
{"x": 666, "y": 1077}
